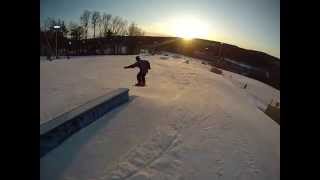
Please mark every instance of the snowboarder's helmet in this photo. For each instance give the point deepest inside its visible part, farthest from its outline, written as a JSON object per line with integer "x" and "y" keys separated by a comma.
{"x": 138, "y": 58}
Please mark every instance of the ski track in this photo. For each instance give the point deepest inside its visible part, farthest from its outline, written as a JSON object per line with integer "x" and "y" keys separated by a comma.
{"x": 142, "y": 161}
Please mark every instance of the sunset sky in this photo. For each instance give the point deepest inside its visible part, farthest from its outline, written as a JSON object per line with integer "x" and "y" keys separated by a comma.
{"x": 251, "y": 24}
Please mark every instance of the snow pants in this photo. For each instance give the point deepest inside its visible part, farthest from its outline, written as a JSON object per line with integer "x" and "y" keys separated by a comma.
{"x": 141, "y": 78}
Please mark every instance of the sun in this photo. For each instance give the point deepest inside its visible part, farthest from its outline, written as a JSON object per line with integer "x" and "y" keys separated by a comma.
{"x": 189, "y": 28}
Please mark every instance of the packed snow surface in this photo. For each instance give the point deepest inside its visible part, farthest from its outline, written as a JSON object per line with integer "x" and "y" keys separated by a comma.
{"x": 188, "y": 123}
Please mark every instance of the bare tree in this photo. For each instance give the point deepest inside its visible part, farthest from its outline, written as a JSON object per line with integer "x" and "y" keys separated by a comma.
{"x": 48, "y": 28}
{"x": 84, "y": 19}
{"x": 76, "y": 31}
{"x": 114, "y": 24}
{"x": 100, "y": 26}
{"x": 123, "y": 29}
{"x": 48, "y": 35}
{"x": 106, "y": 21}
{"x": 46, "y": 24}
{"x": 64, "y": 29}
{"x": 118, "y": 26}
{"x": 95, "y": 18}
{"x": 49, "y": 23}
{"x": 134, "y": 30}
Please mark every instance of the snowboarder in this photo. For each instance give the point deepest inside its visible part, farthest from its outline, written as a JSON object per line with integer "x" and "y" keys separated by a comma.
{"x": 144, "y": 66}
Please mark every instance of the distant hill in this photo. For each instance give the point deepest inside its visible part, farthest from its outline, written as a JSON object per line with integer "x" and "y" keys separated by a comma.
{"x": 265, "y": 67}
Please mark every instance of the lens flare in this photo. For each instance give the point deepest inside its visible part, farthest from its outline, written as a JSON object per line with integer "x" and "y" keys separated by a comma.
{"x": 189, "y": 28}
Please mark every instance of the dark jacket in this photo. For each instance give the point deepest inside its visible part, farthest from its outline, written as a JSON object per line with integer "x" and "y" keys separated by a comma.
{"x": 143, "y": 65}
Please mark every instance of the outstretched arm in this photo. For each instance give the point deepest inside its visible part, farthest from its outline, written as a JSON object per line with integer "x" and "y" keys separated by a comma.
{"x": 131, "y": 66}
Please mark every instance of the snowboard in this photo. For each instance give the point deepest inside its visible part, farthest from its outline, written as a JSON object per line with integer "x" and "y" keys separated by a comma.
{"x": 137, "y": 85}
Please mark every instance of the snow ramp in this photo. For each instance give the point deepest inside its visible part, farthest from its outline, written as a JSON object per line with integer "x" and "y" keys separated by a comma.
{"x": 54, "y": 132}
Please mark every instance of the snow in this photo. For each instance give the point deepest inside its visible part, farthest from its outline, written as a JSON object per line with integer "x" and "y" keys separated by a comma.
{"x": 259, "y": 93}
{"x": 61, "y": 91}
{"x": 188, "y": 123}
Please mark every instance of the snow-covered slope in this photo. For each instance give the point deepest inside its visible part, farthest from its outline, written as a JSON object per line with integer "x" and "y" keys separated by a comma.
{"x": 261, "y": 94}
{"x": 188, "y": 123}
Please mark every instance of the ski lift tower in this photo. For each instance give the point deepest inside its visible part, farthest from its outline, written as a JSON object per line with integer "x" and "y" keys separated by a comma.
{"x": 56, "y": 28}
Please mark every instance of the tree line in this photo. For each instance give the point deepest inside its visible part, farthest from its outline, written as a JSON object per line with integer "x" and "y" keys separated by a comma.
{"x": 91, "y": 24}
{"x": 101, "y": 25}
